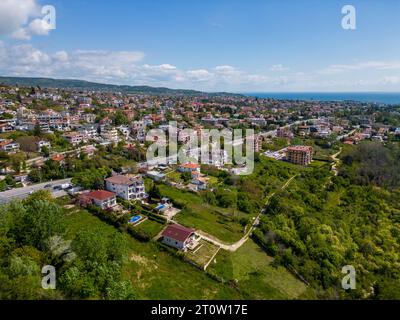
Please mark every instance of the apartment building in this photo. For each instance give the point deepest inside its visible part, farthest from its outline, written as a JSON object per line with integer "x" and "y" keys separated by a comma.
{"x": 110, "y": 135}
{"x": 74, "y": 138}
{"x": 301, "y": 155}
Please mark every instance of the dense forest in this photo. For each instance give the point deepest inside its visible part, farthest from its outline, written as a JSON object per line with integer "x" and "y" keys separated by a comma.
{"x": 322, "y": 223}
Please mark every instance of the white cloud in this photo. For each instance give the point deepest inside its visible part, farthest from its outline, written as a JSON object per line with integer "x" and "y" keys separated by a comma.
{"x": 39, "y": 27}
{"x": 390, "y": 80}
{"x": 61, "y": 56}
{"x": 199, "y": 75}
{"x": 21, "y": 34}
{"x": 226, "y": 70}
{"x": 127, "y": 67}
{"x": 16, "y": 13}
{"x": 279, "y": 68}
{"x": 359, "y": 66}
{"x": 21, "y": 19}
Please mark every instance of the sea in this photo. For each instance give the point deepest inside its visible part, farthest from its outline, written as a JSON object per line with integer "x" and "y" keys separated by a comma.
{"x": 372, "y": 97}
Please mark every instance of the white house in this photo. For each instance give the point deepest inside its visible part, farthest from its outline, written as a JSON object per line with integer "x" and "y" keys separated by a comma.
{"x": 189, "y": 167}
{"x": 42, "y": 143}
{"x": 110, "y": 135}
{"x": 127, "y": 187}
{"x": 9, "y": 146}
{"x": 74, "y": 138}
{"x": 103, "y": 199}
{"x": 178, "y": 236}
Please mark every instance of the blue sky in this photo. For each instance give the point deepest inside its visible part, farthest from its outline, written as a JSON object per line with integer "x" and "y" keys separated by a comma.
{"x": 232, "y": 45}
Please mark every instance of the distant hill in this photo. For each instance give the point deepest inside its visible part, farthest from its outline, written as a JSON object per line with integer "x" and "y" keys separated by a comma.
{"x": 92, "y": 86}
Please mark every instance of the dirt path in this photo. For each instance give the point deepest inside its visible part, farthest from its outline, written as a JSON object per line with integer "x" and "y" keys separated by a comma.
{"x": 235, "y": 246}
{"x": 336, "y": 162}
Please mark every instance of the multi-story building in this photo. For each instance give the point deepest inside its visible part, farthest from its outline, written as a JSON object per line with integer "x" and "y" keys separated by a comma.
{"x": 110, "y": 135}
{"x": 88, "y": 117}
{"x": 88, "y": 131}
{"x": 299, "y": 155}
{"x": 50, "y": 119}
{"x": 74, "y": 138}
{"x": 138, "y": 130}
{"x": 9, "y": 146}
{"x": 128, "y": 187}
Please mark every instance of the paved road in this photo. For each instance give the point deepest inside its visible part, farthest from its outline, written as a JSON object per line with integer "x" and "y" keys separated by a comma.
{"x": 22, "y": 193}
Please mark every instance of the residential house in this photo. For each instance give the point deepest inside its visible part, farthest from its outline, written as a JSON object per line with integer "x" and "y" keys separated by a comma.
{"x": 128, "y": 187}
{"x": 155, "y": 175}
{"x": 9, "y": 146}
{"x": 110, "y": 135}
{"x": 178, "y": 236}
{"x": 59, "y": 158}
{"x": 189, "y": 167}
{"x": 103, "y": 199}
{"x": 42, "y": 143}
{"x": 74, "y": 138}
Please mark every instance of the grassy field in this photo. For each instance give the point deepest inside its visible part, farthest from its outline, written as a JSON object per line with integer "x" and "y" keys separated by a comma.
{"x": 202, "y": 255}
{"x": 219, "y": 222}
{"x": 157, "y": 274}
{"x": 252, "y": 271}
{"x": 152, "y": 228}
{"x": 154, "y": 273}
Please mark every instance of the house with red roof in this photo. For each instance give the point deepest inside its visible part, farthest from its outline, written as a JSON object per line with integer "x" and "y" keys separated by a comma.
{"x": 189, "y": 167}
{"x": 178, "y": 236}
{"x": 101, "y": 198}
{"x": 58, "y": 158}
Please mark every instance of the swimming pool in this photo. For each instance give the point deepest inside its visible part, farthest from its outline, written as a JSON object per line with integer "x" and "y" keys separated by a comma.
{"x": 135, "y": 219}
{"x": 160, "y": 207}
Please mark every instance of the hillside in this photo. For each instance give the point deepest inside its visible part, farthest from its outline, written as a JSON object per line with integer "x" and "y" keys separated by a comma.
{"x": 92, "y": 86}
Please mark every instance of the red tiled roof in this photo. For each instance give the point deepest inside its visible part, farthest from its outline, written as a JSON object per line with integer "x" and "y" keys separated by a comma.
{"x": 58, "y": 158}
{"x": 177, "y": 232}
{"x": 5, "y": 142}
{"x": 100, "y": 195}
{"x": 190, "y": 166}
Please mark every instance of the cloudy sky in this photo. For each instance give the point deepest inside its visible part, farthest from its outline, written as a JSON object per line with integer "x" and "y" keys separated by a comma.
{"x": 213, "y": 45}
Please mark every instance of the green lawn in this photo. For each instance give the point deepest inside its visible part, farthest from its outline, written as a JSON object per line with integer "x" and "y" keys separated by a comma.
{"x": 218, "y": 222}
{"x": 202, "y": 254}
{"x": 154, "y": 273}
{"x": 152, "y": 228}
{"x": 157, "y": 274}
{"x": 250, "y": 268}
